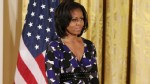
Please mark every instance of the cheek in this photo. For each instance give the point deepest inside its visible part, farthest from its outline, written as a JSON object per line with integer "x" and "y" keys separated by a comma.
{"x": 82, "y": 23}
{"x": 70, "y": 27}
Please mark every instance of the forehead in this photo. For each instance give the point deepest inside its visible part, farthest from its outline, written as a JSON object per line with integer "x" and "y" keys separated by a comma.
{"x": 76, "y": 12}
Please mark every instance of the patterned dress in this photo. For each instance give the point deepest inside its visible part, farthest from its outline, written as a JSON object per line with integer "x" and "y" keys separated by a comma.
{"x": 60, "y": 60}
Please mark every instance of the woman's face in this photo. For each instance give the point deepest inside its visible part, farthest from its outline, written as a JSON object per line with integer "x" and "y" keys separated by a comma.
{"x": 76, "y": 24}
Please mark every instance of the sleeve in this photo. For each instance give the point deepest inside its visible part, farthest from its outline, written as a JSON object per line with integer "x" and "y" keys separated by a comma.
{"x": 94, "y": 71}
{"x": 52, "y": 65}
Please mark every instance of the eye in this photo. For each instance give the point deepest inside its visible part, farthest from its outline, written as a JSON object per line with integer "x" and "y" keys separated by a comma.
{"x": 81, "y": 19}
{"x": 74, "y": 20}
{"x": 77, "y": 19}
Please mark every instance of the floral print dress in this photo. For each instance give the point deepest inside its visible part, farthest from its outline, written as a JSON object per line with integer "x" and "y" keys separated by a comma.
{"x": 60, "y": 60}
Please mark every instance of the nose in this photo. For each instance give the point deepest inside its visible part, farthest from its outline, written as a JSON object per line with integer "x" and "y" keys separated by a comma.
{"x": 78, "y": 22}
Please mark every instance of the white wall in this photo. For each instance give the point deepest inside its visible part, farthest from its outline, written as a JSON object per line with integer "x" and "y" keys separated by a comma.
{"x": 1, "y": 41}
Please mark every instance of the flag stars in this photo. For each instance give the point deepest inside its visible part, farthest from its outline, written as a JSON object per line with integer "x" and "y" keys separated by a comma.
{"x": 39, "y": 26}
{"x": 47, "y": 39}
{"x": 42, "y": 6}
{"x": 51, "y": 9}
{"x": 34, "y": 4}
{"x": 28, "y": 34}
{"x": 30, "y": 24}
{"x": 48, "y": 29}
{"x": 33, "y": 14}
{"x": 38, "y": 37}
{"x": 41, "y": 17}
{"x": 50, "y": 19}
{"x": 36, "y": 47}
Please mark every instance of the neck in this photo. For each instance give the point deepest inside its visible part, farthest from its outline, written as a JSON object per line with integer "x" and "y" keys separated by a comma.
{"x": 71, "y": 38}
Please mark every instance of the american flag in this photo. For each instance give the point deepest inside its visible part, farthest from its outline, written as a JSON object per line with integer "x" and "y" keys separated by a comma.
{"x": 38, "y": 31}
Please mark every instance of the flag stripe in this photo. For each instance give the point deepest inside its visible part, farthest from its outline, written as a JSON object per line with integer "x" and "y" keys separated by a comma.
{"x": 41, "y": 62}
{"x": 18, "y": 78}
{"x": 30, "y": 62}
{"x": 25, "y": 72}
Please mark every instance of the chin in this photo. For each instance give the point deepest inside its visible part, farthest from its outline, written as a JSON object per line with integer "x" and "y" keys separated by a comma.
{"x": 78, "y": 33}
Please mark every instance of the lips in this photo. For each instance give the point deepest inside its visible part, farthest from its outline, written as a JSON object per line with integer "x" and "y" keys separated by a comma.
{"x": 78, "y": 28}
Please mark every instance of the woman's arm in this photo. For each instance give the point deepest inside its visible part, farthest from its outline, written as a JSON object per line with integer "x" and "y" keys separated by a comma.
{"x": 94, "y": 69}
{"x": 52, "y": 65}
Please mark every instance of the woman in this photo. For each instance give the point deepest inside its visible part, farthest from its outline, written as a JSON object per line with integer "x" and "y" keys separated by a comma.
{"x": 71, "y": 59}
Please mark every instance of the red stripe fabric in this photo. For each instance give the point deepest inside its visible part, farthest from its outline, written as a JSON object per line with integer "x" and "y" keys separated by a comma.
{"x": 25, "y": 72}
{"x": 41, "y": 62}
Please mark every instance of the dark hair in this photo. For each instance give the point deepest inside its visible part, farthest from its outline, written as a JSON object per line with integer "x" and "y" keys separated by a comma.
{"x": 63, "y": 17}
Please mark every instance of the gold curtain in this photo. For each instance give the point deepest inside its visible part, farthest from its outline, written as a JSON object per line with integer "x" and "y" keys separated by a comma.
{"x": 140, "y": 55}
{"x": 116, "y": 36}
{"x": 120, "y": 31}
{"x": 12, "y": 29}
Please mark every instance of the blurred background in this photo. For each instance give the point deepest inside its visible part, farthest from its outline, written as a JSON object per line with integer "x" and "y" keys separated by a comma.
{"x": 1, "y": 40}
{"x": 120, "y": 30}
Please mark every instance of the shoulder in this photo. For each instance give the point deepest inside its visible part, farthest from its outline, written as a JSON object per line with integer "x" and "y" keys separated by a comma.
{"x": 88, "y": 42}
{"x": 53, "y": 44}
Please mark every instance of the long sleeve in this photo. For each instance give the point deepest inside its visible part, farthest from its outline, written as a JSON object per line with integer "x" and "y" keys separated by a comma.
{"x": 94, "y": 70}
{"x": 52, "y": 65}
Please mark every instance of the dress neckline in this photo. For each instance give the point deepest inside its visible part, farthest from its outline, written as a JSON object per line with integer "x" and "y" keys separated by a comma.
{"x": 72, "y": 52}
